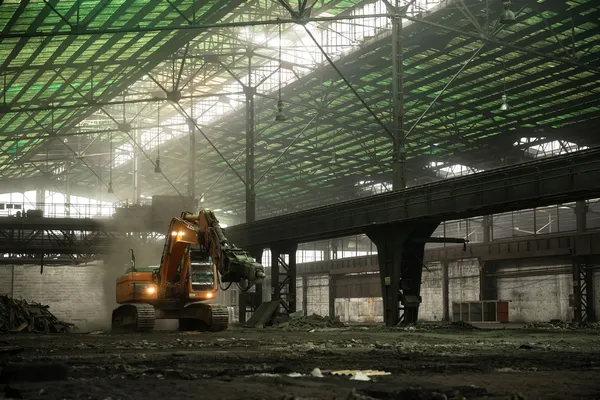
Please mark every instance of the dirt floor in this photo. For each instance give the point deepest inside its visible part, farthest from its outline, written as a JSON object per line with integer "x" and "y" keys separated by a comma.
{"x": 425, "y": 362}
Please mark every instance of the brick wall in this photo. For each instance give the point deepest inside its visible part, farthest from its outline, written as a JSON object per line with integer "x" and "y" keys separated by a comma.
{"x": 74, "y": 294}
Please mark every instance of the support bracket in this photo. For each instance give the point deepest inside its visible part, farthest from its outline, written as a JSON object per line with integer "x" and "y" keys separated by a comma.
{"x": 400, "y": 268}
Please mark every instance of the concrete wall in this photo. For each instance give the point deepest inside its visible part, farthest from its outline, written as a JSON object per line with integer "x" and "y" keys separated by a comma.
{"x": 317, "y": 295}
{"x": 74, "y": 294}
{"x": 536, "y": 297}
{"x": 431, "y": 308}
{"x": 359, "y": 310}
{"x": 84, "y": 295}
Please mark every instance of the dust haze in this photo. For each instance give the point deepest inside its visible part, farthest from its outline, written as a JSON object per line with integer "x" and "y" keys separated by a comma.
{"x": 116, "y": 262}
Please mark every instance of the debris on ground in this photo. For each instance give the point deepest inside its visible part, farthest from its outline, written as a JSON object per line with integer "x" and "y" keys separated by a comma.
{"x": 429, "y": 326}
{"x": 21, "y": 316}
{"x": 555, "y": 324}
{"x": 367, "y": 372}
{"x": 309, "y": 322}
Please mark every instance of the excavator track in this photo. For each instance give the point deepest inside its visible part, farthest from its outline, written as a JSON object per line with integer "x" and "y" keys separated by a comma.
{"x": 133, "y": 317}
{"x": 204, "y": 317}
{"x": 220, "y": 318}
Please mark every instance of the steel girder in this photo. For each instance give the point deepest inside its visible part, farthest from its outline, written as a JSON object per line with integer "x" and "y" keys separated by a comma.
{"x": 543, "y": 182}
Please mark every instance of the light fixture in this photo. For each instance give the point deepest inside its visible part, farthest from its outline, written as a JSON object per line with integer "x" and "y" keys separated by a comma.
{"x": 504, "y": 106}
{"x": 110, "y": 188}
{"x": 279, "y": 115}
{"x": 157, "y": 169}
{"x": 508, "y": 16}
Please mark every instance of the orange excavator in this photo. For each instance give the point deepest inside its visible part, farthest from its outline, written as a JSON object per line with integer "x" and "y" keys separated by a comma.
{"x": 184, "y": 286}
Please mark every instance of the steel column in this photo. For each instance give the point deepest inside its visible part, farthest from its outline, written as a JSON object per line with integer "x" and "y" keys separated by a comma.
{"x": 283, "y": 276}
{"x": 445, "y": 291}
{"x": 67, "y": 191}
{"x": 581, "y": 209}
{"x": 305, "y": 295}
{"x": 582, "y": 299}
{"x": 249, "y": 182}
{"x": 399, "y": 149}
{"x": 136, "y": 171}
{"x": 578, "y": 299}
{"x": 191, "y": 185}
{"x": 400, "y": 268}
{"x": 487, "y": 231}
{"x": 332, "y": 293}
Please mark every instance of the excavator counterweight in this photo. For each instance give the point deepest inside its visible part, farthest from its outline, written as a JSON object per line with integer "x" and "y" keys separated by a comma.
{"x": 196, "y": 258}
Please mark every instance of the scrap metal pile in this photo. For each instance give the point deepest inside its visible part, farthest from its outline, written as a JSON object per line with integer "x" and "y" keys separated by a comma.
{"x": 21, "y": 316}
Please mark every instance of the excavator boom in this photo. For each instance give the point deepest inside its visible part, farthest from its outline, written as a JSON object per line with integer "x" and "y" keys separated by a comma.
{"x": 233, "y": 264}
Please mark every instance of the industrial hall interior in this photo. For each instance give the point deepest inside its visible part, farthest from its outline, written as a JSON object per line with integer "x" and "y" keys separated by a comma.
{"x": 299, "y": 199}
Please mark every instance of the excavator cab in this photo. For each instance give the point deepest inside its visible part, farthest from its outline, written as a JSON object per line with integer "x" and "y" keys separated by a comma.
{"x": 202, "y": 270}
{"x": 201, "y": 279}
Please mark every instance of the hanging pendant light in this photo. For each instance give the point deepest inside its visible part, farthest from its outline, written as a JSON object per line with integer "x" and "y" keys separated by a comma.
{"x": 279, "y": 115}
{"x": 508, "y": 16}
{"x": 504, "y": 106}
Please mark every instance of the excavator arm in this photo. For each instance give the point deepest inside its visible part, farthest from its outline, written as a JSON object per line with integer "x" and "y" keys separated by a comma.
{"x": 233, "y": 264}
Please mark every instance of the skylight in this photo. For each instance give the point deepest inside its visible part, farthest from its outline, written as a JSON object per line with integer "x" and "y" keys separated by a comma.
{"x": 551, "y": 148}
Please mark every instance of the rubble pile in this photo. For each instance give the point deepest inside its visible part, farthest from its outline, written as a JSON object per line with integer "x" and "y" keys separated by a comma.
{"x": 562, "y": 325}
{"x": 431, "y": 326}
{"x": 313, "y": 321}
{"x": 21, "y": 316}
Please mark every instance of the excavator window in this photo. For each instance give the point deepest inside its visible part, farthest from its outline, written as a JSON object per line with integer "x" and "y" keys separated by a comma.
{"x": 202, "y": 270}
